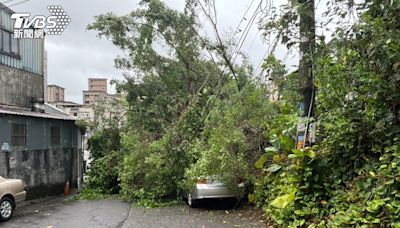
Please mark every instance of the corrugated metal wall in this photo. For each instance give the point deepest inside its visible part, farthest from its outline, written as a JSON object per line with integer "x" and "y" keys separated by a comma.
{"x": 31, "y": 50}
{"x": 38, "y": 132}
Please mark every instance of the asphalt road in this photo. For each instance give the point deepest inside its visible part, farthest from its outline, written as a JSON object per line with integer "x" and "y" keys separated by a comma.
{"x": 211, "y": 214}
{"x": 59, "y": 213}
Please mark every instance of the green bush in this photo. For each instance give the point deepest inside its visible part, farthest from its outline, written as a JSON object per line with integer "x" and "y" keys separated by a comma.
{"x": 231, "y": 139}
{"x": 103, "y": 142}
{"x": 147, "y": 169}
{"x": 103, "y": 174}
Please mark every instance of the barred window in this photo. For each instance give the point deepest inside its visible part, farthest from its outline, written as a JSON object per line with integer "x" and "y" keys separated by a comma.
{"x": 18, "y": 135}
{"x": 55, "y": 136}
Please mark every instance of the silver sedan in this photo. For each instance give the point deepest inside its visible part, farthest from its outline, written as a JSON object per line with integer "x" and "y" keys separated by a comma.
{"x": 212, "y": 189}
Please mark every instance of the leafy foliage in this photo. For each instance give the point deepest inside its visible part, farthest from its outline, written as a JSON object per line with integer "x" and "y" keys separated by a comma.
{"x": 104, "y": 145}
{"x": 103, "y": 142}
{"x": 187, "y": 119}
{"x": 103, "y": 174}
{"x": 169, "y": 99}
{"x": 349, "y": 178}
{"x": 232, "y": 138}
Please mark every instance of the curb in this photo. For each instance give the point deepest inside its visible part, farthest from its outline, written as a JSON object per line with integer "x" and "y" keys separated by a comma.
{"x": 47, "y": 198}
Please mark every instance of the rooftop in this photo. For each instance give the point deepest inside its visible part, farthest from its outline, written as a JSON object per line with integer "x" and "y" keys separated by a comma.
{"x": 6, "y": 9}
{"x": 52, "y": 85}
{"x": 52, "y": 112}
{"x": 99, "y": 79}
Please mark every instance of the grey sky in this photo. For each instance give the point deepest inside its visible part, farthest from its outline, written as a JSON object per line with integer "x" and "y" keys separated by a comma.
{"x": 78, "y": 54}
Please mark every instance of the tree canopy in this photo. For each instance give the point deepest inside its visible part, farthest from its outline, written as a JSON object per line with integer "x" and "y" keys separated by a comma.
{"x": 193, "y": 112}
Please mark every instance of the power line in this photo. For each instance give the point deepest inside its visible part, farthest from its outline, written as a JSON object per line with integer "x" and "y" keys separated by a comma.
{"x": 223, "y": 76}
{"x": 243, "y": 19}
{"x": 266, "y": 11}
{"x": 241, "y": 39}
{"x": 247, "y": 30}
{"x": 269, "y": 51}
{"x": 223, "y": 71}
{"x": 245, "y": 33}
{"x": 240, "y": 44}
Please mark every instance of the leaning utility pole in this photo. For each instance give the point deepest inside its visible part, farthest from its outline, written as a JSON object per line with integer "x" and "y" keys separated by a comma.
{"x": 307, "y": 49}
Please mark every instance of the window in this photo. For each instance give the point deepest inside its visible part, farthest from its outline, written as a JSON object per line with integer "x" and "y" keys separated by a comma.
{"x": 8, "y": 44}
{"x": 6, "y": 41}
{"x": 55, "y": 137}
{"x": 18, "y": 135}
{"x": 14, "y": 46}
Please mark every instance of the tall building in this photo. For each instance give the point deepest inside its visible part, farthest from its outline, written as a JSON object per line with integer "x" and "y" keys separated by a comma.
{"x": 97, "y": 91}
{"x": 98, "y": 84}
{"x": 55, "y": 93}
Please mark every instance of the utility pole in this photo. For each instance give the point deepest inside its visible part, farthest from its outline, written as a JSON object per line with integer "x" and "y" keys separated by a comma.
{"x": 307, "y": 49}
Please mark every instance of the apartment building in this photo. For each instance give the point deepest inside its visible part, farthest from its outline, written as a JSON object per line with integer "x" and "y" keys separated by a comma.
{"x": 55, "y": 93}
{"x": 97, "y": 84}
{"x": 97, "y": 91}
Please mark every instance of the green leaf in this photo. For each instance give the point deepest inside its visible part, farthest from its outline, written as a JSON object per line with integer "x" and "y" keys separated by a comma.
{"x": 271, "y": 149}
{"x": 310, "y": 154}
{"x": 251, "y": 198}
{"x": 273, "y": 168}
{"x": 284, "y": 200}
{"x": 374, "y": 205}
{"x": 261, "y": 161}
{"x": 292, "y": 156}
{"x": 296, "y": 153}
{"x": 389, "y": 182}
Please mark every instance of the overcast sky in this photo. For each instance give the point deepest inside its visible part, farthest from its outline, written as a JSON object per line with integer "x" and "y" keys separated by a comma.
{"x": 78, "y": 54}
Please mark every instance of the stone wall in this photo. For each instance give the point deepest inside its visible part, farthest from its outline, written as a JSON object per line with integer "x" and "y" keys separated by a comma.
{"x": 18, "y": 87}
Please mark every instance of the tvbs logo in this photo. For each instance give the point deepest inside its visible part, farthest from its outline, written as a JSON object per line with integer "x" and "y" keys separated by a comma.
{"x": 22, "y": 21}
{"x": 26, "y": 26}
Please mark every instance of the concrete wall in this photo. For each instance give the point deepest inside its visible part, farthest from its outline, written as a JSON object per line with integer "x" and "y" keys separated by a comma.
{"x": 18, "y": 87}
{"x": 43, "y": 167}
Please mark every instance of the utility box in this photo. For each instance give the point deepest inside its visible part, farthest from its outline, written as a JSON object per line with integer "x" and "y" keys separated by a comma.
{"x": 5, "y": 147}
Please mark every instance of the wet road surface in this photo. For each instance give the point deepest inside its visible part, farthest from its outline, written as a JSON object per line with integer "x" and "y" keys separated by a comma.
{"x": 58, "y": 212}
